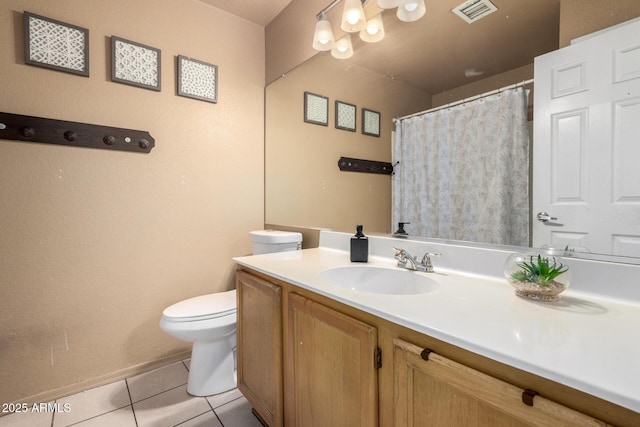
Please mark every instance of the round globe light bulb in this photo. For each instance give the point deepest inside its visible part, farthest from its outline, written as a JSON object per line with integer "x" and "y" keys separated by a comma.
{"x": 372, "y": 29}
{"x": 411, "y": 6}
{"x": 343, "y": 48}
{"x": 353, "y": 17}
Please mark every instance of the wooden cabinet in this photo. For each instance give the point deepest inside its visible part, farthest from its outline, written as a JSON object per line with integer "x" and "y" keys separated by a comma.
{"x": 333, "y": 378}
{"x": 431, "y": 390}
{"x": 308, "y": 360}
{"x": 260, "y": 346}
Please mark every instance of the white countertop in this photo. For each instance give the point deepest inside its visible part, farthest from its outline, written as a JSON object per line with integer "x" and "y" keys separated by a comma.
{"x": 585, "y": 341}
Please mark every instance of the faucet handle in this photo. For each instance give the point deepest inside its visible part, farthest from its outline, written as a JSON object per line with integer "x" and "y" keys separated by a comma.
{"x": 400, "y": 253}
{"x": 426, "y": 261}
{"x": 428, "y": 255}
{"x": 403, "y": 257}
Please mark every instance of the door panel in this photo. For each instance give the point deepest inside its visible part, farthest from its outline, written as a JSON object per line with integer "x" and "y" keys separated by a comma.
{"x": 586, "y": 147}
{"x": 260, "y": 375}
{"x": 334, "y": 378}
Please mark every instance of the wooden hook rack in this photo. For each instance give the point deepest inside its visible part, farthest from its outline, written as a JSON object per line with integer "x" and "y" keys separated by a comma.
{"x": 366, "y": 166}
{"x": 50, "y": 131}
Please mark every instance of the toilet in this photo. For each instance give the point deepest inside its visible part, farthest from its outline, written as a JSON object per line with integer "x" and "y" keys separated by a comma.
{"x": 209, "y": 322}
{"x": 269, "y": 241}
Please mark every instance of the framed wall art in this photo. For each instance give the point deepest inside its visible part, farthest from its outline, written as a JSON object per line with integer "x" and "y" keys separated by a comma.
{"x": 370, "y": 122}
{"x": 55, "y": 45}
{"x": 197, "y": 79}
{"x": 316, "y": 109}
{"x": 345, "y": 116}
{"x": 135, "y": 64}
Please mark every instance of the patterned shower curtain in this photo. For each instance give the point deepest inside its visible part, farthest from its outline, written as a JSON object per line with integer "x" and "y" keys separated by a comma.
{"x": 463, "y": 171}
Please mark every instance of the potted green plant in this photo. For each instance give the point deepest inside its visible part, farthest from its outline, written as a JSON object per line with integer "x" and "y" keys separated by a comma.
{"x": 537, "y": 277}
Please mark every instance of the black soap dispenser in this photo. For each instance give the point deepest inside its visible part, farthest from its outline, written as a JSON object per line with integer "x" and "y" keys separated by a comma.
{"x": 359, "y": 246}
{"x": 401, "y": 232}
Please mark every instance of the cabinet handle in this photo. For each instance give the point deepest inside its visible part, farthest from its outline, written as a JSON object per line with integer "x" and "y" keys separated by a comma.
{"x": 527, "y": 396}
{"x": 425, "y": 354}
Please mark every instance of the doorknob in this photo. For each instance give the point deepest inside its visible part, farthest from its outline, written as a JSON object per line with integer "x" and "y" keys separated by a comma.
{"x": 545, "y": 217}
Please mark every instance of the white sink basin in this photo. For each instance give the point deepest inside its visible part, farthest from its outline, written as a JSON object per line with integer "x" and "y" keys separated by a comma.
{"x": 379, "y": 280}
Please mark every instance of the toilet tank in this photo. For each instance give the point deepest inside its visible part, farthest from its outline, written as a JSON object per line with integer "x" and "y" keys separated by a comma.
{"x": 268, "y": 241}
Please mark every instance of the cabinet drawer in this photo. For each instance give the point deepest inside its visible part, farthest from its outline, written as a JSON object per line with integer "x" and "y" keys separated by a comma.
{"x": 431, "y": 390}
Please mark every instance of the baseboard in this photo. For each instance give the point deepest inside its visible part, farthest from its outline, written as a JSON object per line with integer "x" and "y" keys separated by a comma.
{"x": 90, "y": 383}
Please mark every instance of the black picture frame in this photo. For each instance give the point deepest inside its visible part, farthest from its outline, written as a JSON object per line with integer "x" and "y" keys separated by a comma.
{"x": 316, "y": 109}
{"x": 56, "y": 45}
{"x": 197, "y": 79}
{"x": 370, "y": 122}
{"x": 126, "y": 67}
{"x": 345, "y": 116}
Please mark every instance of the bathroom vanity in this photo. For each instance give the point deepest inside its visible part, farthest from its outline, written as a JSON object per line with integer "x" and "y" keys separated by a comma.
{"x": 315, "y": 352}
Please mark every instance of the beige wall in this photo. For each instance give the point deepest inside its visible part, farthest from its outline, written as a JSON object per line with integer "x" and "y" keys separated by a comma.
{"x": 485, "y": 85}
{"x": 94, "y": 244}
{"x": 580, "y": 17}
{"x": 287, "y": 37}
{"x": 304, "y": 186}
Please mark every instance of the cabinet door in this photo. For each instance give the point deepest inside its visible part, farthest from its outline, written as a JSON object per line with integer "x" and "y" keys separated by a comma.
{"x": 440, "y": 392}
{"x": 334, "y": 375}
{"x": 260, "y": 346}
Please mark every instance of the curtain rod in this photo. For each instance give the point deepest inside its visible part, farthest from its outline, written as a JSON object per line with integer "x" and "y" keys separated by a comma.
{"x": 462, "y": 101}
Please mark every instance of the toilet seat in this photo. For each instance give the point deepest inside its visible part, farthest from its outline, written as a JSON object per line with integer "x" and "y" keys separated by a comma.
{"x": 203, "y": 307}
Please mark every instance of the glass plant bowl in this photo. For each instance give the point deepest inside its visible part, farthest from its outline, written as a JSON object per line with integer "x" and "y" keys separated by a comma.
{"x": 537, "y": 276}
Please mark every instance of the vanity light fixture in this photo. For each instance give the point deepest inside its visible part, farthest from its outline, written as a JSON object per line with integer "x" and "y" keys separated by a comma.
{"x": 411, "y": 10}
{"x": 354, "y": 20}
{"x": 388, "y": 4}
{"x": 344, "y": 48}
{"x": 374, "y": 30}
{"x": 323, "y": 38}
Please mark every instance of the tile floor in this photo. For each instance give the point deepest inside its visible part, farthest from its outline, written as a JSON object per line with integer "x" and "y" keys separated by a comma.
{"x": 156, "y": 399}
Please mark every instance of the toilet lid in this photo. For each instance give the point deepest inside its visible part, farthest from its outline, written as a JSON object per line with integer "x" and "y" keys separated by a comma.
{"x": 209, "y": 306}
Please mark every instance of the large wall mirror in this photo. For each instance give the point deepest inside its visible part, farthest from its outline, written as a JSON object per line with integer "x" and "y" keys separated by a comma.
{"x": 434, "y": 61}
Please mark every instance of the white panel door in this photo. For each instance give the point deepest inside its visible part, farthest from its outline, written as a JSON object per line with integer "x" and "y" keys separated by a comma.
{"x": 586, "y": 146}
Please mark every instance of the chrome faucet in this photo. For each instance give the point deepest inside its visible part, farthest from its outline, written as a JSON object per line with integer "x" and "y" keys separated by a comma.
{"x": 408, "y": 261}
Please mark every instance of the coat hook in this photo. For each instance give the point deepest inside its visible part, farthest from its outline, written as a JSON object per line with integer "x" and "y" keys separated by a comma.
{"x": 70, "y": 135}
{"x": 27, "y": 131}
{"x": 51, "y": 131}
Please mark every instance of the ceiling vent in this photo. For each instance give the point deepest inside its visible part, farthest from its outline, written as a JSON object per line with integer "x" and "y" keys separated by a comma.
{"x": 473, "y": 10}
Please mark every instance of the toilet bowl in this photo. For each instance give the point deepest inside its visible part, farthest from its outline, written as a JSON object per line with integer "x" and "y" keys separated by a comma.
{"x": 209, "y": 322}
